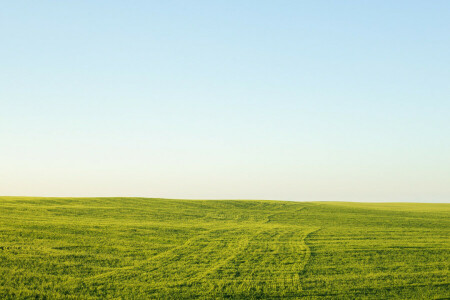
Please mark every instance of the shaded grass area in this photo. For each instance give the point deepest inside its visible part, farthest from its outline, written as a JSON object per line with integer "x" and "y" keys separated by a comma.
{"x": 158, "y": 248}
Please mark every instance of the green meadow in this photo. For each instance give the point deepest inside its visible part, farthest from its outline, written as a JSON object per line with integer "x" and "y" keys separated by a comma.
{"x": 140, "y": 248}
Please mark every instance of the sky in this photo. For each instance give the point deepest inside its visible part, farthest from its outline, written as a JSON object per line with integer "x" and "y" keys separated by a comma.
{"x": 286, "y": 100}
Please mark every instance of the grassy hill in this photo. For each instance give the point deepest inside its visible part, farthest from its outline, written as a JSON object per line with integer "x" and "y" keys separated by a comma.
{"x": 138, "y": 248}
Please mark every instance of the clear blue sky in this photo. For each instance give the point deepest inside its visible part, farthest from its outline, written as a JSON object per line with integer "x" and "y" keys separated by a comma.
{"x": 295, "y": 100}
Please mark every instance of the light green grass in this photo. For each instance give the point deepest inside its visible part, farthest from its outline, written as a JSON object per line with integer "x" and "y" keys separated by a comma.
{"x": 137, "y": 248}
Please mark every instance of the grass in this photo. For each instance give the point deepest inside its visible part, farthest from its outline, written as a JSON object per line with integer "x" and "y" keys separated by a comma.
{"x": 138, "y": 248}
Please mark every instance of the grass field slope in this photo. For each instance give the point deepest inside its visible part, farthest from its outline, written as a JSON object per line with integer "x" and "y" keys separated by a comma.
{"x": 139, "y": 248}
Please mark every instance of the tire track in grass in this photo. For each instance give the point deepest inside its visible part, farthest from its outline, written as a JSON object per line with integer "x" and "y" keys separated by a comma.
{"x": 308, "y": 250}
{"x": 242, "y": 245}
{"x": 190, "y": 246}
{"x": 142, "y": 263}
{"x": 271, "y": 272}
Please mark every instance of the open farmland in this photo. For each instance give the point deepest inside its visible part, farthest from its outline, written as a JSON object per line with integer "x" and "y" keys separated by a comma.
{"x": 138, "y": 248}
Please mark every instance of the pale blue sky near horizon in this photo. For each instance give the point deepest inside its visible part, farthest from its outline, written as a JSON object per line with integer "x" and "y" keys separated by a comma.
{"x": 288, "y": 100}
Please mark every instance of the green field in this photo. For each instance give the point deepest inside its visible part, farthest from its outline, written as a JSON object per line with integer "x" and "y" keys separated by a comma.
{"x": 138, "y": 248}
